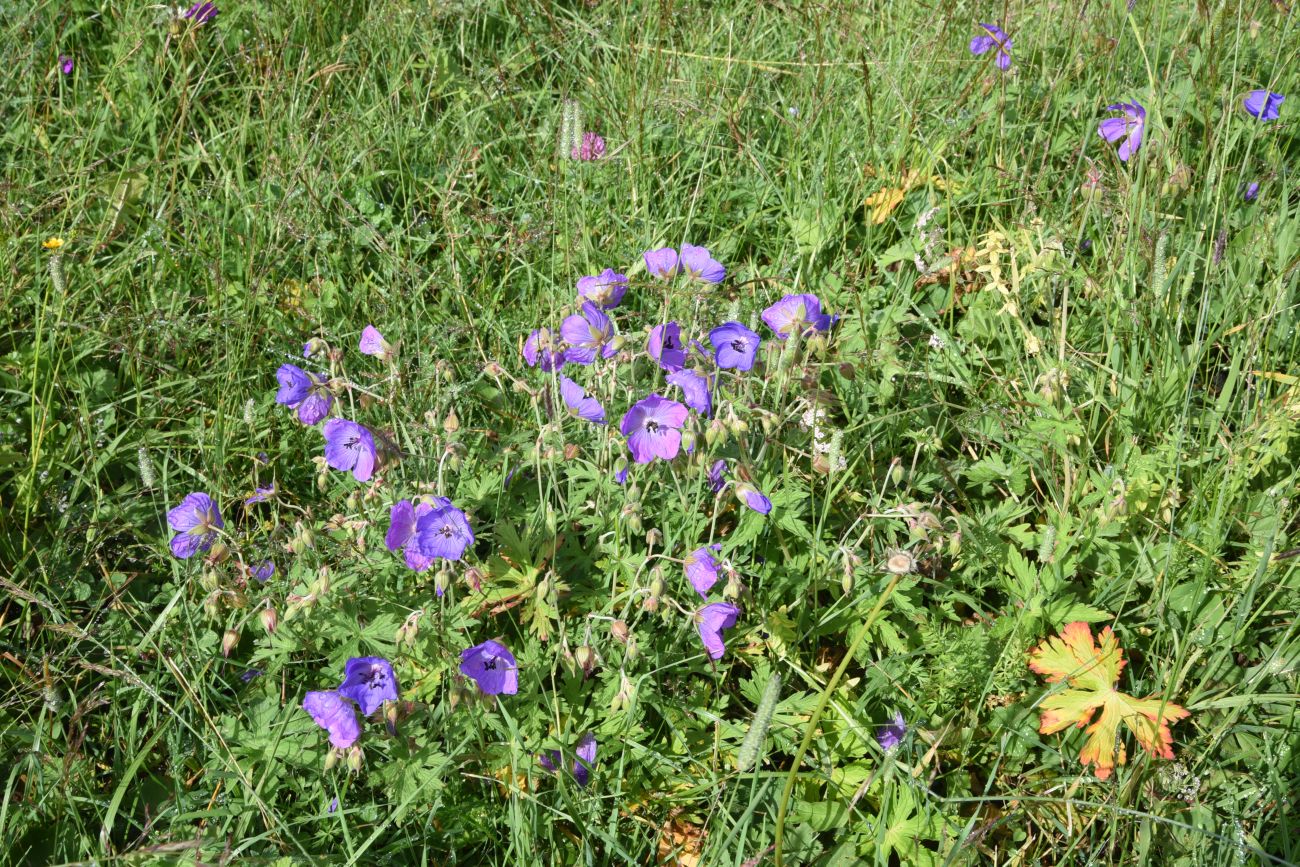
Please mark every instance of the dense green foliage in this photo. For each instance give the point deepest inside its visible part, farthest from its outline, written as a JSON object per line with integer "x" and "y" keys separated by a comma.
{"x": 1062, "y": 388}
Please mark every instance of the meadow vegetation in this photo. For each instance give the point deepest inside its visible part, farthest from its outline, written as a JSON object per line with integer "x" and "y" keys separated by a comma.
{"x": 1049, "y": 396}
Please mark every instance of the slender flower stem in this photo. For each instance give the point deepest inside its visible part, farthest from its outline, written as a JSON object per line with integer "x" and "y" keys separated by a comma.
{"x": 820, "y": 709}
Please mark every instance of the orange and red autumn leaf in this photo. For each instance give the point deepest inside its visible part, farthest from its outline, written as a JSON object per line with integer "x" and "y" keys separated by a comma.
{"x": 1092, "y": 671}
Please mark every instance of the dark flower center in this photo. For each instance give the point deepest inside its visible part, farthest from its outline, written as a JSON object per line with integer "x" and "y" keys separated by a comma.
{"x": 351, "y": 442}
{"x": 652, "y": 426}
{"x": 669, "y": 343}
{"x": 490, "y": 665}
{"x": 738, "y": 345}
{"x": 446, "y": 531}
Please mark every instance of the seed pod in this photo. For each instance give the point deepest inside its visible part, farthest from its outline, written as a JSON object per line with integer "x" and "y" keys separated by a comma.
{"x": 757, "y": 734}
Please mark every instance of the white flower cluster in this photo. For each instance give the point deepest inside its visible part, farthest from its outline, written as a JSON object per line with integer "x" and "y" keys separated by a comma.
{"x": 824, "y": 440}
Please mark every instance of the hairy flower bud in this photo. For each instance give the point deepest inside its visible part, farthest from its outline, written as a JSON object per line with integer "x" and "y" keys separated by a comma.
{"x": 270, "y": 619}
{"x": 229, "y": 641}
{"x": 354, "y": 759}
{"x": 619, "y": 630}
{"x": 451, "y": 423}
{"x": 212, "y": 604}
{"x": 332, "y": 758}
{"x": 653, "y": 537}
{"x": 586, "y": 659}
{"x": 322, "y": 585}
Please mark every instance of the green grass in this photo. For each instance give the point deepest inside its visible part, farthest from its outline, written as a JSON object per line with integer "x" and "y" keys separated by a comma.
{"x": 1107, "y": 433}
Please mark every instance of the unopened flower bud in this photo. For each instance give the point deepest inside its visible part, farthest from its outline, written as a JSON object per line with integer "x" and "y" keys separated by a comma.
{"x": 571, "y": 451}
{"x": 442, "y": 580}
{"x": 228, "y": 642}
{"x": 219, "y": 553}
{"x": 212, "y": 604}
{"x": 688, "y": 441}
{"x": 846, "y": 582}
{"x": 322, "y": 586}
{"x": 390, "y": 717}
{"x": 494, "y": 370}
{"x": 623, "y": 698}
{"x": 633, "y": 649}
{"x": 236, "y": 599}
{"x": 737, "y": 426}
{"x": 209, "y": 580}
{"x": 896, "y": 471}
{"x": 657, "y": 583}
{"x": 332, "y": 758}
{"x": 451, "y": 423}
{"x": 653, "y": 537}
{"x": 735, "y": 587}
{"x": 618, "y": 629}
{"x": 715, "y": 434}
{"x": 586, "y": 659}
{"x": 543, "y": 589}
{"x": 354, "y": 759}
{"x": 270, "y": 619}
{"x": 474, "y": 578}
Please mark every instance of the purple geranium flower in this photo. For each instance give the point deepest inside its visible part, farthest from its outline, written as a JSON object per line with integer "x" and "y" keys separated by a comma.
{"x": 606, "y": 288}
{"x": 586, "y": 758}
{"x": 202, "y": 13}
{"x": 1264, "y": 104}
{"x": 697, "y": 262}
{"x": 662, "y": 262}
{"x": 373, "y": 343}
{"x": 752, "y": 497}
{"x": 734, "y": 346}
{"x": 994, "y": 38}
{"x": 702, "y": 569}
{"x": 717, "y": 472}
{"x": 196, "y": 522}
{"x": 349, "y": 446}
{"x": 666, "y": 346}
{"x": 592, "y": 147}
{"x": 710, "y": 621}
{"x": 1129, "y": 127}
{"x": 579, "y": 404}
{"x": 620, "y": 475}
{"x": 443, "y": 531}
{"x": 542, "y": 348}
{"x": 261, "y": 495}
{"x": 492, "y": 667}
{"x": 1251, "y": 192}
{"x": 695, "y": 390}
{"x": 263, "y": 571}
{"x": 587, "y": 334}
{"x": 334, "y": 714}
{"x": 369, "y": 681}
{"x": 66, "y": 64}
{"x": 797, "y": 314}
{"x": 309, "y": 393}
{"x": 891, "y": 735}
{"x": 401, "y": 532}
{"x": 653, "y": 428}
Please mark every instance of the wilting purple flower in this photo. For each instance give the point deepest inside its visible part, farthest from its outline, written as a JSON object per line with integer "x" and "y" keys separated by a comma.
{"x": 443, "y": 532}
{"x": 695, "y": 390}
{"x": 543, "y": 348}
{"x": 697, "y": 262}
{"x": 710, "y": 621}
{"x": 653, "y": 428}
{"x": 263, "y": 571}
{"x": 1251, "y": 192}
{"x": 662, "y": 262}
{"x": 717, "y": 472}
{"x": 373, "y": 343}
{"x": 606, "y": 288}
{"x": 752, "y": 497}
{"x": 666, "y": 346}
{"x": 585, "y": 760}
{"x": 66, "y": 64}
{"x": 202, "y": 13}
{"x": 369, "y": 681}
{"x": 261, "y": 495}
{"x": 1264, "y": 104}
{"x": 401, "y": 532}
{"x": 196, "y": 522}
{"x": 579, "y": 404}
{"x": 587, "y": 334}
{"x": 797, "y": 314}
{"x": 891, "y": 735}
{"x": 334, "y": 714}
{"x": 334, "y": 805}
{"x": 734, "y": 346}
{"x": 492, "y": 667}
{"x": 592, "y": 147}
{"x": 702, "y": 569}
{"x": 994, "y": 38}
{"x": 251, "y": 675}
{"x": 309, "y": 393}
{"x": 1129, "y": 127}
{"x": 349, "y": 446}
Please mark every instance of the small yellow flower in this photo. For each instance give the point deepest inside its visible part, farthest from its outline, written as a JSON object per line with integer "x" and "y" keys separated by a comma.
{"x": 53, "y": 242}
